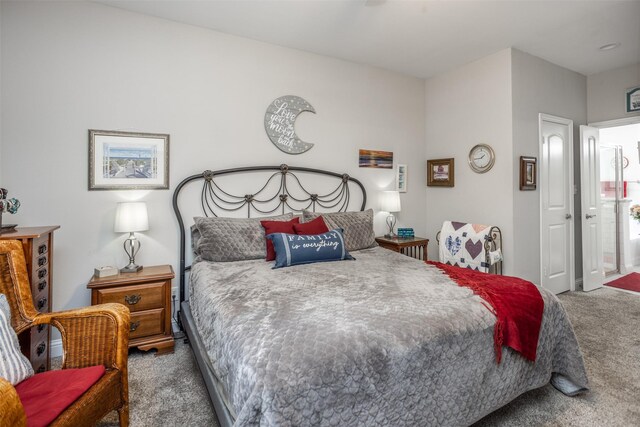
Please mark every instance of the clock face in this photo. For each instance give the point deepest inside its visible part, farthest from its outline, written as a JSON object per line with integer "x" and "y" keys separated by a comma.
{"x": 481, "y": 158}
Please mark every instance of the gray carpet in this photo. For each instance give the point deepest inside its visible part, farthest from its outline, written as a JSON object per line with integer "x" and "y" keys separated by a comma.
{"x": 168, "y": 390}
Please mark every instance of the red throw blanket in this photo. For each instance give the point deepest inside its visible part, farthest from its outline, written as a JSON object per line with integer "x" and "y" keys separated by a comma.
{"x": 516, "y": 303}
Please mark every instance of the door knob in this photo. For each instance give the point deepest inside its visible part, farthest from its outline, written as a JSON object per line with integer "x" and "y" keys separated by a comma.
{"x": 567, "y": 216}
{"x": 590, "y": 216}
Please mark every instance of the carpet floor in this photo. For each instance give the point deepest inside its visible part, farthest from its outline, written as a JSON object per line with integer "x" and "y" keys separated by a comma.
{"x": 168, "y": 390}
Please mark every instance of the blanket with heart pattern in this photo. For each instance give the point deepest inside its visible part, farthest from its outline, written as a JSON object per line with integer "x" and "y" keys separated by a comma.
{"x": 463, "y": 245}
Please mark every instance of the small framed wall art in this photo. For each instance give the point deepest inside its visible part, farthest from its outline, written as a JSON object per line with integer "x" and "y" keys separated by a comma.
{"x": 128, "y": 160}
{"x": 375, "y": 159}
{"x": 528, "y": 173}
{"x": 401, "y": 178}
{"x": 441, "y": 173}
{"x": 633, "y": 99}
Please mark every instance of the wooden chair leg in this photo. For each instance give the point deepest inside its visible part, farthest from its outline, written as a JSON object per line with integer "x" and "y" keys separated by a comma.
{"x": 123, "y": 415}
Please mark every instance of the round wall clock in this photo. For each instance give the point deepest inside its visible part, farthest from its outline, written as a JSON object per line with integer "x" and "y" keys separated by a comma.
{"x": 481, "y": 158}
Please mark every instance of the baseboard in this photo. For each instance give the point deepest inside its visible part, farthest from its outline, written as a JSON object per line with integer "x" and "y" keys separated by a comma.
{"x": 579, "y": 284}
{"x": 55, "y": 348}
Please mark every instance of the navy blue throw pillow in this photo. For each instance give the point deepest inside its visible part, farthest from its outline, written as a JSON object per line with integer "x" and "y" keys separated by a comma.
{"x": 294, "y": 249}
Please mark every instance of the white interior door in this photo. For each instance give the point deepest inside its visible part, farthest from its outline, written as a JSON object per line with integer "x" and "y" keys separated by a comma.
{"x": 556, "y": 204}
{"x": 592, "y": 255}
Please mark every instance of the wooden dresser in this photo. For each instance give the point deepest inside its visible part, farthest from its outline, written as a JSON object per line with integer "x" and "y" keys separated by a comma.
{"x": 147, "y": 294}
{"x": 37, "y": 243}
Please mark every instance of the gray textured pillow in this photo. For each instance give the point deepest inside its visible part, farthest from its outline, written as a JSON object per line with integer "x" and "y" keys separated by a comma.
{"x": 357, "y": 226}
{"x": 232, "y": 239}
{"x": 14, "y": 367}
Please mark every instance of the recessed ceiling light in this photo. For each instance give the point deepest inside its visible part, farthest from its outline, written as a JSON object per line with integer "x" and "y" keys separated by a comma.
{"x": 609, "y": 46}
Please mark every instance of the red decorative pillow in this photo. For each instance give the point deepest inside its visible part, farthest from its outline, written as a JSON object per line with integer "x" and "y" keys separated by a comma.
{"x": 316, "y": 226}
{"x": 277, "y": 227}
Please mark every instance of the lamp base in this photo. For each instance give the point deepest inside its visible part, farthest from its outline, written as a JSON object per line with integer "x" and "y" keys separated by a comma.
{"x": 131, "y": 268}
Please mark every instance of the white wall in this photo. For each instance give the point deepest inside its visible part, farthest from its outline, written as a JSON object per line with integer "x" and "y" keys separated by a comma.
{"x": 69, "y": 67}
{"x": 496, "y": 100}
{"x": 606, "y": 93}
{"x": 540, "y": 87}
{"x": 464, "y": 107}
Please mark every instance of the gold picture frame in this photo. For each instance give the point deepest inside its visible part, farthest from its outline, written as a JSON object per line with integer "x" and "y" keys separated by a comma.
{"x": 441, "y": 173}
{"x": 528, "y": 173}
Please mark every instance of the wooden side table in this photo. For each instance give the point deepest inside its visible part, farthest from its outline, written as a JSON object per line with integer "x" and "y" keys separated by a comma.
{"x": 147, "y": 294}
{"x": 415, "y": 247}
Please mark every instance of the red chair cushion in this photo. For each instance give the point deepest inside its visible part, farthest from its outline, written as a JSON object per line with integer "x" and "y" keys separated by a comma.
{"x": 277, "y": 227}
{"x": 46, "y": 395}
{"x": 316, "y": 226}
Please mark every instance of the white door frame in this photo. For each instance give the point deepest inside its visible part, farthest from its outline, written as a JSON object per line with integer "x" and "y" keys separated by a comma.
{"x": 616, "y": 122}
{"x": 572, "y": 268}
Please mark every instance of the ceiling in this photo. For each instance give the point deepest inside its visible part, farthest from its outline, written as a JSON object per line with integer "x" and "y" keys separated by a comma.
{"x": 423, "y": 37}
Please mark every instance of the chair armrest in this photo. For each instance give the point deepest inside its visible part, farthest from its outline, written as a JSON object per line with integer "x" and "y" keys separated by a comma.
{"x": 11, "y": 410}
{"x": 96, "y": 335}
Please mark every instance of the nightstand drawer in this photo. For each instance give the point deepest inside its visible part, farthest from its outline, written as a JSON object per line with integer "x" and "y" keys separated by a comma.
{"x": 147, "y": 294}
{"x": 146, "y": 323}
{"x": 137, "y": 298}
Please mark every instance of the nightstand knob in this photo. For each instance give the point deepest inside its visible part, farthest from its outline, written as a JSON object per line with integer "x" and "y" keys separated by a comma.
{"x": 132, "y": 299}
{"x": 133, "y": 326}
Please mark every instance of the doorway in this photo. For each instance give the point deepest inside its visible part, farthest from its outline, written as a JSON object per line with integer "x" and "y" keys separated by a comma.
{"x": 621, "y": 233}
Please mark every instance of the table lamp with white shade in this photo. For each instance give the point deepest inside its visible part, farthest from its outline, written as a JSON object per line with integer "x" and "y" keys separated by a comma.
{"x": 131, "y": 217}
{"x": 390, "y": 202}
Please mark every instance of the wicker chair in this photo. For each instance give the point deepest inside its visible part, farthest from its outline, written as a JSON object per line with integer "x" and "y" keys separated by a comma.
{"x": 97, "y": 335}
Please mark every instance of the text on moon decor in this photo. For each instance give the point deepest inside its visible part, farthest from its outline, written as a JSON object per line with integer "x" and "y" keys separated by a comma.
{"x": 279, "y": 122}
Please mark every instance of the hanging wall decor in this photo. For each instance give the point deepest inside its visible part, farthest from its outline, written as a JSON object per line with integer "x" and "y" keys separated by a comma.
{"x": 279, "y": 122}
{"x": 633, "y": 99}
{"x": 401, "y": 178}
{"x": 528, "y": 173}
{"x": 128, "y": 160}
{"x": 375, "y": 159}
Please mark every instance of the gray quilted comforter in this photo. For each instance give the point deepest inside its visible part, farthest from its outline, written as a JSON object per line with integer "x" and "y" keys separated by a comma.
{"x": 383, "y": 340}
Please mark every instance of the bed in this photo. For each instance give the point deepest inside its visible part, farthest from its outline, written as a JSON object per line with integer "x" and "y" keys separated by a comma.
{"x": 382, "y": 340}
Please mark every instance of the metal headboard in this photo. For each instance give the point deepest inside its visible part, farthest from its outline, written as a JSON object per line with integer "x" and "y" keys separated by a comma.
{"x": 290, "y": 194}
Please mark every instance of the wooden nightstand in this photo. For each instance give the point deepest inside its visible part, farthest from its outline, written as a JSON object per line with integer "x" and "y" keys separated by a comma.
{"x": 147, "y": 294}
{"x": 415, "y": 247}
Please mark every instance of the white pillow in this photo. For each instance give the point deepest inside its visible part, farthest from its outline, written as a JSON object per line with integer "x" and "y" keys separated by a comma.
{"x": 14, "y": 366}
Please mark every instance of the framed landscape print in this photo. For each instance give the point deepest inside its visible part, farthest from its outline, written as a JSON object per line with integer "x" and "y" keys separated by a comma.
{"x": 375, "y": 159}
{"x": 528, "y": 173}
{"x": 440, "y": 173}
{"x": 128, "y": 160}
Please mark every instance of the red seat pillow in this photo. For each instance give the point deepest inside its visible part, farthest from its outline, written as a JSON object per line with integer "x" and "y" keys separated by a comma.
{"x": 316, "y": 226}
{"x": 45, "y": 396}
{"x": 277, "y": 227}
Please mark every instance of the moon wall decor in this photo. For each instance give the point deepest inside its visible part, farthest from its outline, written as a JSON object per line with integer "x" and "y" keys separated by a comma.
{"x": 279, "y": 121}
